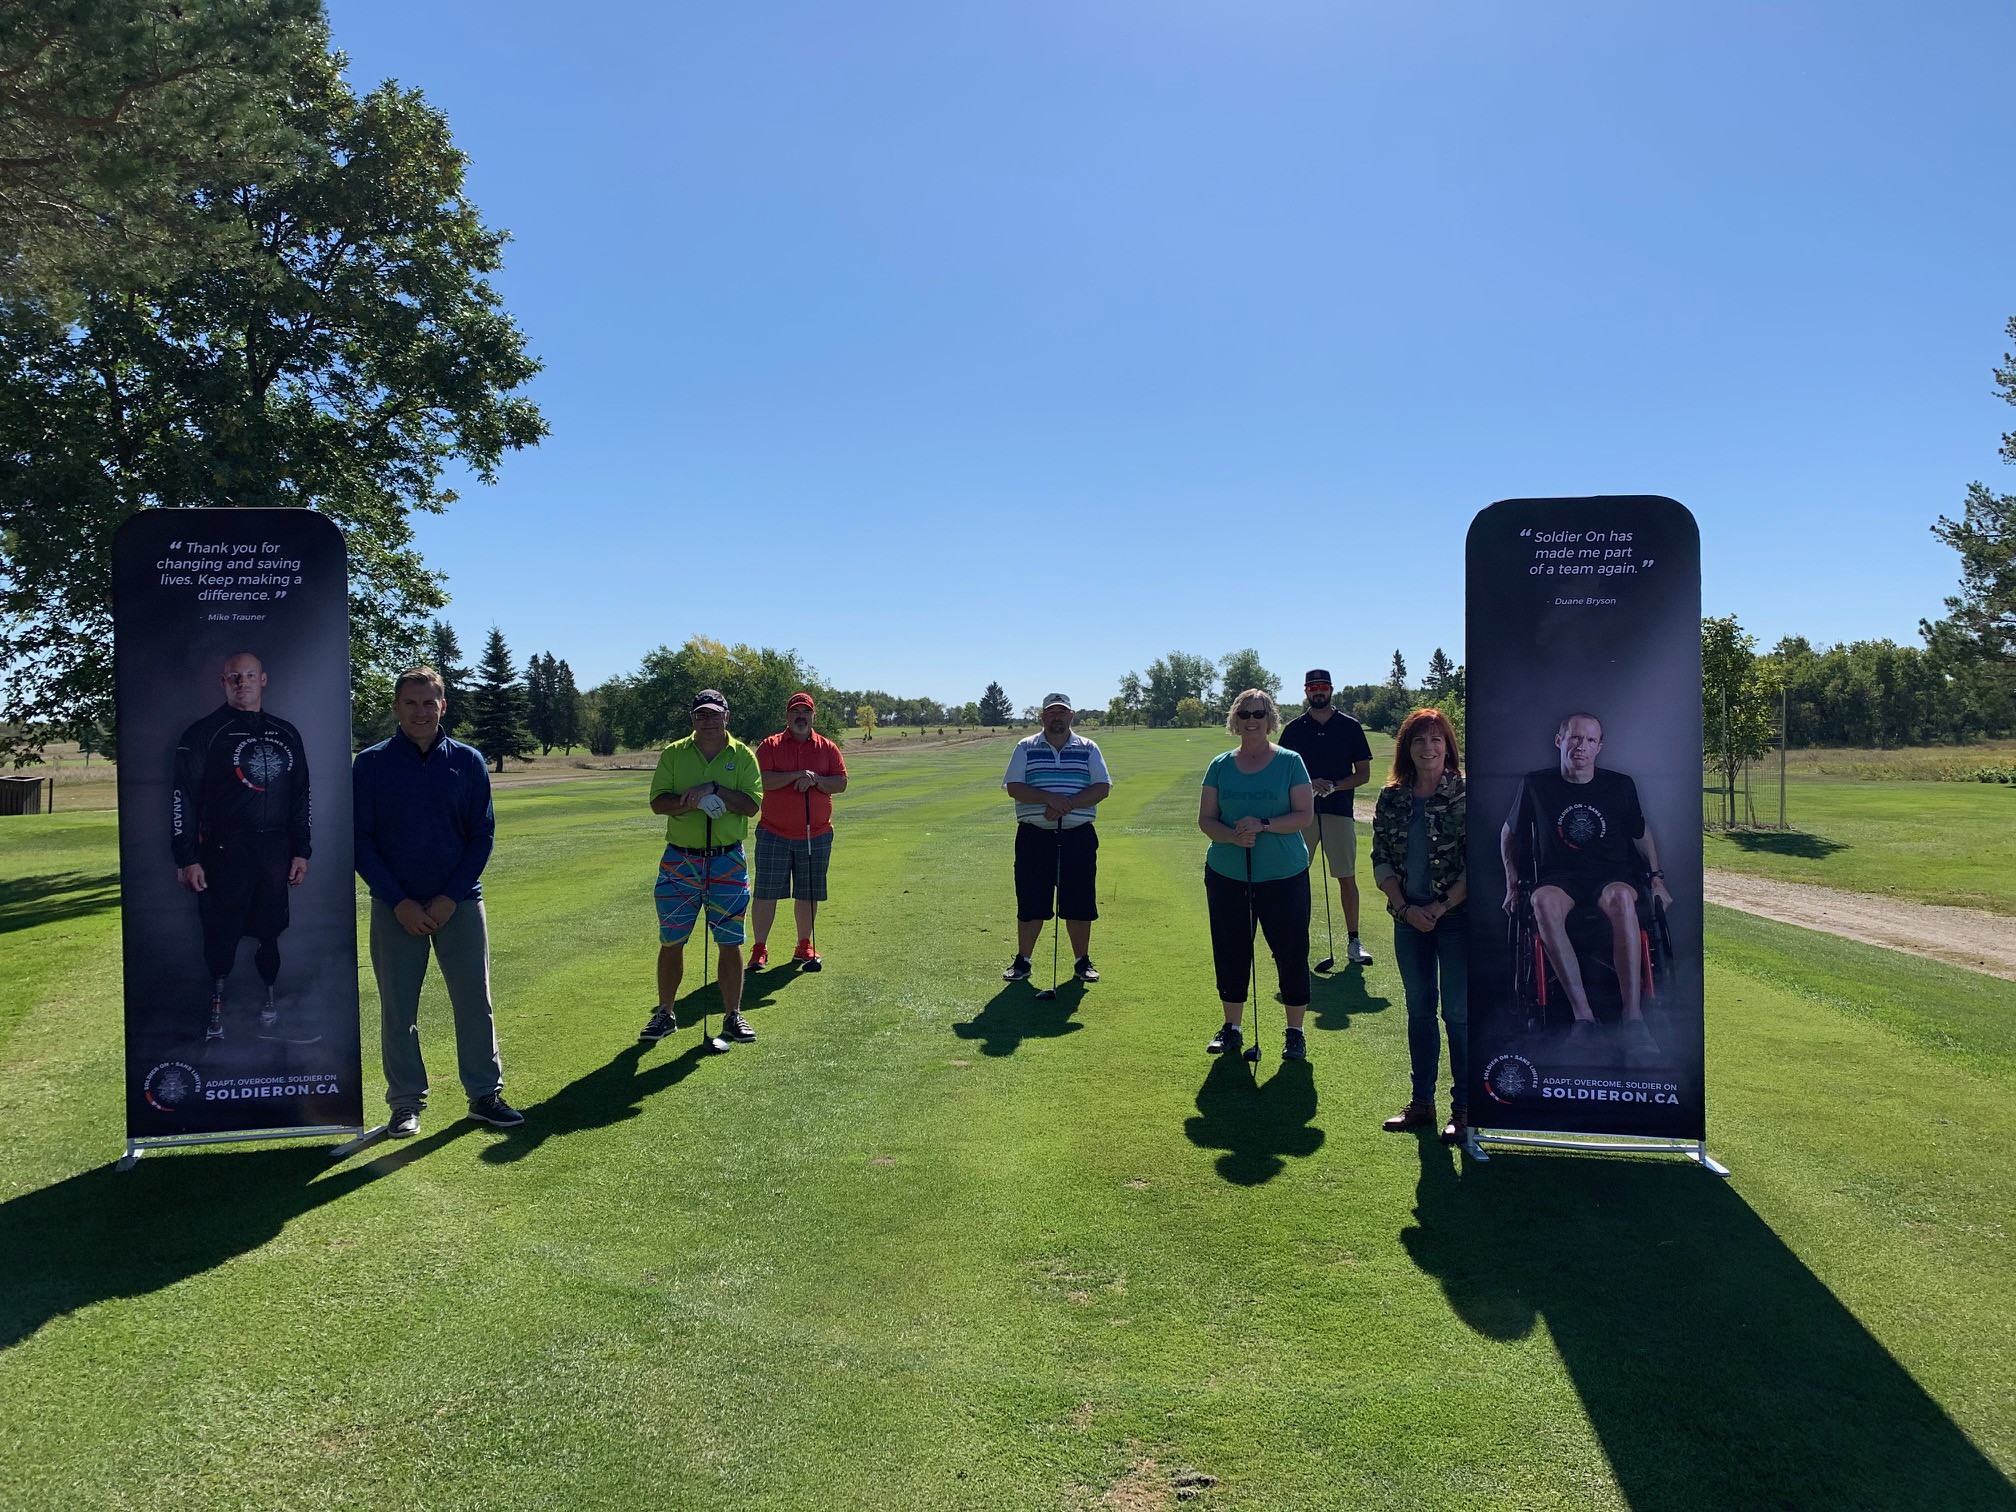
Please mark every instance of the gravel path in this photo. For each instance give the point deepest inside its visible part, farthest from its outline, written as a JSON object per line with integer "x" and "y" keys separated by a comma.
{"x": 1958, "y": 936}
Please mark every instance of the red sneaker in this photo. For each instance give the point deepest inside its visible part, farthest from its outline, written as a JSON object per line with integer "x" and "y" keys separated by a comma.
{"x": 806, "y": 956}
{"x": 759, "y": 956}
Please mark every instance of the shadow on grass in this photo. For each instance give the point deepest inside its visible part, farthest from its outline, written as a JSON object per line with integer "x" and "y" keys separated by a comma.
{"x": 1717, "y": 1370}
{"x": 607, "y": 1095}
{"x": 1335, "y": 999}
{"x": 1014, "y": 1014}
{"x": 1257, "y": 1124}
{"x": 101, "y": 1234}
{"x": 28, "y": 901}
{"x": 1784, "y": 843}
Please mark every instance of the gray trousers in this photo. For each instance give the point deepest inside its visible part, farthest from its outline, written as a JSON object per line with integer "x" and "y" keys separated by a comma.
{"x": 399, "y": 961}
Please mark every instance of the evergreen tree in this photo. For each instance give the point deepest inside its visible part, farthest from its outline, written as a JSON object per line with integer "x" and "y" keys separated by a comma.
{"x": 539, "y": 718}
{"x": 497, "y": 720}
{"x": 1397, "y": 678}
{"x": 567, "y": 713}
{"x": 995, "y": 709}
{"x": 1440, "y": 670}
{"x": 444, "y": 655}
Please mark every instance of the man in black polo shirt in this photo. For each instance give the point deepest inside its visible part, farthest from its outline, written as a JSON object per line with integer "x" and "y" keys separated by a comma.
{"x": 1332, "y": 745}
{"x": 1585, "y": 824}
{"x": 239, "y": 829}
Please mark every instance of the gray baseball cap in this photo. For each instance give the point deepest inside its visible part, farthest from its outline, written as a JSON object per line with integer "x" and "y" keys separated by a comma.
{"x": 1052, "y": 700}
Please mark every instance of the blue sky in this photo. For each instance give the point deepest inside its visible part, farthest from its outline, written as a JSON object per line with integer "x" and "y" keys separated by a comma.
{"x": 955, "y": 342}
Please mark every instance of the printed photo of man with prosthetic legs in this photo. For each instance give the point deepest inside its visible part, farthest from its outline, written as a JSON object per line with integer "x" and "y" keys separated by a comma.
{"x": 240, "y": 832}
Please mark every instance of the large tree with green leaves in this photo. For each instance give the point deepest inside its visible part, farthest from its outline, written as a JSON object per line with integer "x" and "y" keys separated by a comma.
{"x": 342, "y": 364}
{"x": 1242, "y": 670}
{"x": 122, "y": 121}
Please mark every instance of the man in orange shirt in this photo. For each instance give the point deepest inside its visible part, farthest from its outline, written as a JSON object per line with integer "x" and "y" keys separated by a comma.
{"x": 801, "y": 770}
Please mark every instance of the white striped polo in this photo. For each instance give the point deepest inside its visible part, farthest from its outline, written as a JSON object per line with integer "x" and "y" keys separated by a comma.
{"x": 1041, "y": 765}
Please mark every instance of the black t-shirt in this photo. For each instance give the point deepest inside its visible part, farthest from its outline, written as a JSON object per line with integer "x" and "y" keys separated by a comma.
{"x": 1331, "y": 749}
{"x": 1581, "y": 829}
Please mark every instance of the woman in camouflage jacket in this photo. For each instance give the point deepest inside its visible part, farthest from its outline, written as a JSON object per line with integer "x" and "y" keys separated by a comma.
{"x": 1418, "y": 862}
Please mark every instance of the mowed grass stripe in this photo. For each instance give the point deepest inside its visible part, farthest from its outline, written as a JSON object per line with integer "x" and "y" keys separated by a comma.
{"x": 1081, "y": 1253}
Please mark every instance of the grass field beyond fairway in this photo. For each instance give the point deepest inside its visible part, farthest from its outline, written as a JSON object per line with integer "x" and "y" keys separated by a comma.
{"x": 932, "y": 1244}
{"x": 1933, "y": 842}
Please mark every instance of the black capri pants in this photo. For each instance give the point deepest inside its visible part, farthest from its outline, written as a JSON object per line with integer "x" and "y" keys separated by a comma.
{"x": 1061, "y": 863}
{"x": 1283, "y": 909}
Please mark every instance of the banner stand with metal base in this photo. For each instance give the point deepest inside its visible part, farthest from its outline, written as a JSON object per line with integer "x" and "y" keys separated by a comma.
{"x": 135, "y": 1148}
{"x": 1695, "y": 1150}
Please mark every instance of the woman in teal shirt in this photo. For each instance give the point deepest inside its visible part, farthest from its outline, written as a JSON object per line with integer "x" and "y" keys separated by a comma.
{"x": 1256, "y": 802}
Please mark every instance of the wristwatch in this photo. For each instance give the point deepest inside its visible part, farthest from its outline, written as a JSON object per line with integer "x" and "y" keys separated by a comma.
{"x": 1264, "y": 821}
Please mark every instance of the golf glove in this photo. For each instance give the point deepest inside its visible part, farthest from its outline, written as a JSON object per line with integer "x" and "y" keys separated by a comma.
{"x": 713, "y": 806}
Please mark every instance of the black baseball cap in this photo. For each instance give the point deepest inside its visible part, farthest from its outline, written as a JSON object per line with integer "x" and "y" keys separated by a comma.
{"x": 1315, "y": 675}
{"x": 709, "y": 698}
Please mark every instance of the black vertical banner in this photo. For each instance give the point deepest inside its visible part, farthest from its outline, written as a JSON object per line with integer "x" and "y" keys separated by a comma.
{"x": 232, "y": 644}
{"x": 1584, "y": 743}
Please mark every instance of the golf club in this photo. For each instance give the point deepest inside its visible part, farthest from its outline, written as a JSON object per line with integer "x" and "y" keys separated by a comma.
{"x": 815, "y": 964}
{"x": 1323, "y": 876}
{"x": 1253, "y": 952}
{"x": 1046, "y": 994}
{"x": 708, "y": 1042}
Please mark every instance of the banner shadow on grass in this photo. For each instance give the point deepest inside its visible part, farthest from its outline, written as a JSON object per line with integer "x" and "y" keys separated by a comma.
{"x": 102, "y": 1234}
{"x": 609, "y": 1094}
{"x": 1716, "y": 1369}
{"x": 1257, "y": 1124}
{"x": 1015, "y": 1013}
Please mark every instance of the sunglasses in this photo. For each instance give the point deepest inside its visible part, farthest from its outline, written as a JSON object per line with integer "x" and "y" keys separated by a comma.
{"x": 1252, "y": 714}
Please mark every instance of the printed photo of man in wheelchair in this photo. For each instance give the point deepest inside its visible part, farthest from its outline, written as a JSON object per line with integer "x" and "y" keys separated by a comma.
{"x": 1585, "y": 900}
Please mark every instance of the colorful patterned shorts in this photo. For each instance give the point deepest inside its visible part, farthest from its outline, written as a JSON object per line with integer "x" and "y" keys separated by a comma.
{"x": 682, "y": 882}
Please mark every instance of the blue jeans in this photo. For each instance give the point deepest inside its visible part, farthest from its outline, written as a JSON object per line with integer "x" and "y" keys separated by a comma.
{"x": 1444, "y": 953}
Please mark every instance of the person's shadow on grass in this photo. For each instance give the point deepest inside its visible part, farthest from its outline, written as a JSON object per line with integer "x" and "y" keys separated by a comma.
{"x": 103, "y": 1234}
{"x": 607, "y": 1095}
{"x": 1257, "y": 1124}
{"x": 1014, "y": 1014}
{"x": 1336, "y": 999}
{"x": 1785, "y": 843}
{"x": 1716, "y": 1369}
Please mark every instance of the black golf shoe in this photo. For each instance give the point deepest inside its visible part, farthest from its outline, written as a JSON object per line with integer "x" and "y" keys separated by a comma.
{"x": 1018, "y": 970}
{"x": 736, "y": 1027}
{"x": 1085, "y": 971}
{"x": 496, "y": 1112}
{"x": 1227, "y": 1041}
{"x": 663, "y": 1022}
{"x": 404, "y": 1123}
{"x": 1294, "y": 1046}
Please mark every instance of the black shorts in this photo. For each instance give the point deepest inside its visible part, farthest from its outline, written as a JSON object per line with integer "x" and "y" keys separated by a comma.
{"x": 1064, "y": 861}
{"x": 244, "y": 885}
{"x": 1584, "y": 888}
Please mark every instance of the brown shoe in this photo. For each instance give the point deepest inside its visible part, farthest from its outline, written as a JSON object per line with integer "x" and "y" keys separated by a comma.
{"x": 1457, "y": 1130}
{"x": 1413, "y": 1116}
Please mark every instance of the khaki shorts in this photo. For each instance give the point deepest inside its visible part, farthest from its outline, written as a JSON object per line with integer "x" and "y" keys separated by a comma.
{"x": 1340, "y": 843}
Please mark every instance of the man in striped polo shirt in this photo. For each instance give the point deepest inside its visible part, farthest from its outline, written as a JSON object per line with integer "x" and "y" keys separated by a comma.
{"x": 1056, "y": 778}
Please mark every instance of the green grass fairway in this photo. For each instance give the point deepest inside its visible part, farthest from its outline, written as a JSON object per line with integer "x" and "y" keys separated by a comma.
{"x": 931, "y": 1244}
{"x": 1934, "y": 842}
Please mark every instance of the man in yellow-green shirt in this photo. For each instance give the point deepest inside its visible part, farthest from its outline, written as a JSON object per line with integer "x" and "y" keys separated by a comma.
{"x": 709, "y": 790}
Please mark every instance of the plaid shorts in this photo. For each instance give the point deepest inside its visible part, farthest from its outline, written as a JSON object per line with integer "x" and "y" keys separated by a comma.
{"x": 792, "y": 868}
{"x": 682, "y": 879}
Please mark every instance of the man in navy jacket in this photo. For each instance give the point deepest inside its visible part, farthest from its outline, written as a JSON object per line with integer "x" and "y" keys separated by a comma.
{"x": 425, "y": 828}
